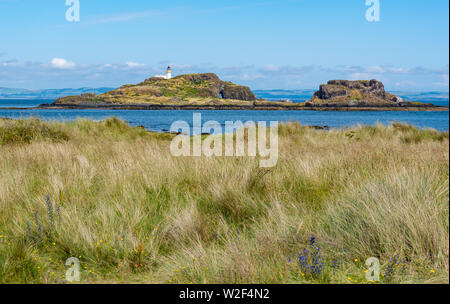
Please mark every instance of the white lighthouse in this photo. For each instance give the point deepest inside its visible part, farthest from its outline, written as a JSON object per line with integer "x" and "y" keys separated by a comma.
{"x": 167, "y": 76}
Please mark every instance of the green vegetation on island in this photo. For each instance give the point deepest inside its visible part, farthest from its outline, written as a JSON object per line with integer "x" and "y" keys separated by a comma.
{"x": 132, "y": 213}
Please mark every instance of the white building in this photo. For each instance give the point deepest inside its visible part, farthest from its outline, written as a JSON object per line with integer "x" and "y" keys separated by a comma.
{"x": 167, "y": 76}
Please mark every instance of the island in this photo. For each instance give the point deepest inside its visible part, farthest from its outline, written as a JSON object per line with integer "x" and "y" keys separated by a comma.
{"x": 208, "y": 92}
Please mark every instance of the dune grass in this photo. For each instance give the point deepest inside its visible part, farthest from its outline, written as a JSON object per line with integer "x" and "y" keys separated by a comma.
{"x": 132, "y": 213}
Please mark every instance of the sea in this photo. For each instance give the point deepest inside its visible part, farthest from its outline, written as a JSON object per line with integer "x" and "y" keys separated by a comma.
{"x": 161, "y": 120}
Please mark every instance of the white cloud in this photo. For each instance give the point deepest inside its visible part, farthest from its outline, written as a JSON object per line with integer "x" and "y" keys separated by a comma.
{"x": 132, "y": 65}
{"x": 362, "y": 76}
{"x": 61, "y": 73}
{"x": 12, "y": 63}
{"x": 271, "y": 68}
{"x": 400, "y": 70}
{"x": 405, "y": 83}
{"x": 444, "y": 82}
{"x": 376, "y": 69}
{"x": 60, "y": 63}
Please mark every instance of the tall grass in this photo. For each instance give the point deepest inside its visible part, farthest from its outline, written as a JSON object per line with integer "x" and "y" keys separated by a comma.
{"x": 133, "y": 213}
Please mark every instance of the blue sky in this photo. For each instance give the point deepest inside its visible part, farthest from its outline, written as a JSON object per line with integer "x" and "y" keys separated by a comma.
{"x": 284, "y": 44}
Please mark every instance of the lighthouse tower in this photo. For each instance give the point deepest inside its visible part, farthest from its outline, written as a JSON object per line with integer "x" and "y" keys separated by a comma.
{"x": 169, "y": 73}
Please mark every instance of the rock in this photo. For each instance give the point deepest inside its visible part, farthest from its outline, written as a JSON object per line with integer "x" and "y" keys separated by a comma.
{"x": 232, "y": 91}
{"x": 213, "y": 87}
{"x": 198, "y": 78}
{"x": 319, "y": 127}
{"x": 328, "y": 91}
{"x": 353, "y": 93}
{"x": 397, "y": 99}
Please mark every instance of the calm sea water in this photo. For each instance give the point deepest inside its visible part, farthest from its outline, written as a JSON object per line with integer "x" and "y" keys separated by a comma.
{"x": 162, "y": 120}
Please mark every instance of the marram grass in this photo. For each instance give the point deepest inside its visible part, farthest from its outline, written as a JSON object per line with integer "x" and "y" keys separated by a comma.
{"x": 132, "y": 213}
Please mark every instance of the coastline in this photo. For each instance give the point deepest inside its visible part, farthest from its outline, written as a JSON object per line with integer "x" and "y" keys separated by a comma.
{"x": 266, "y": 107}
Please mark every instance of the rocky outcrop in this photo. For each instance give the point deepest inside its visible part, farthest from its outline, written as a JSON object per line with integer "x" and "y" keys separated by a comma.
{"x": 198, "y": 78}
{"x": 230, "y": 91}
{"x": 359, "y": 92}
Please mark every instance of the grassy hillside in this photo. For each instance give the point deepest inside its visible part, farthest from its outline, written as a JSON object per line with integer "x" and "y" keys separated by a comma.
{"x": 133, "y": 213}
{"x": 184, "y": 89}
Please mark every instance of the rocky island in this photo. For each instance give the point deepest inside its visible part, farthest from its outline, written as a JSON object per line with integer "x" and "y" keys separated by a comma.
{"x": 358, "y": 93}
{"x": 208, "y": 92}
